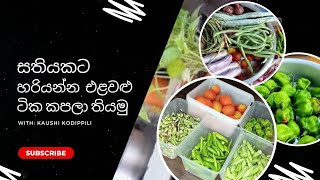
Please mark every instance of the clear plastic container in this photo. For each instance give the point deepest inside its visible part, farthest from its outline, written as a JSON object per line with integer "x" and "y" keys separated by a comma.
{"x": 265, "y": 146}
{"x": 258, "y": 110}
{"x": 191, "y": 141}
{"x": 176, "y": 105}
{"x": 212, "y": 118}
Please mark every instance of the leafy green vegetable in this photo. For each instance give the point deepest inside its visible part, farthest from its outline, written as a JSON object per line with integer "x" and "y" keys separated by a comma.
{"x": 175, "y": 68}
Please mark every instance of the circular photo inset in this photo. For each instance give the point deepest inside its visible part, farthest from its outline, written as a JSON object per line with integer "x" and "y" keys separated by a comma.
{"x": 293, "y": 94}
{"x": 216, "y": 127}
{"x": 243, "y": 40}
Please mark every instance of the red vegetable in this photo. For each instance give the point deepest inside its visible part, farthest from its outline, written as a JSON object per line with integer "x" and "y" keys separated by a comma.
{"x": 228, "y": 9}
{"x": 238, "y": 9}
{"x": 236, "y": 56}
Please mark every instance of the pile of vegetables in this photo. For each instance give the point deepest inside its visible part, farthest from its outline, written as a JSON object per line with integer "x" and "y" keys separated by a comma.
{"x": 175, "y": 127}
{"x": 247, "y": 163}
{"x": 180, "y": 61}
{"x": 296, "y": 107}
{"x": 221, "y": 102}
{"x": 261, "y": 127}
{"x": 243, "y": 35}
{"x": 212, "y": 151}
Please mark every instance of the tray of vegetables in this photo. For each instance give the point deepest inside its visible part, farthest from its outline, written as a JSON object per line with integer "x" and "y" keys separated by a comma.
{"x": 293, "y": 94}
{"x": 219, "y": 104}
{"x": 241, "y": 40}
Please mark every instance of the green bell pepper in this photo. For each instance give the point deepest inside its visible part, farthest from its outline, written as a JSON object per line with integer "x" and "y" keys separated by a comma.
{"x": 263, "y": 90}
{"x": 270, "y": 100}
{"x": 301, "y": 94}
{"x": 283, "y": 115}
{"x": 294, "y": 127}
{"x": 270, "y": 84}
{"x": 315, "y": 105}
{"x": 289, "y": 89}
{"x": 306, "y": 139}
{"x": 303, "y": 108}
{"x": 281, "y": 78}
{"x": 282, "y": 100}
{"x": 303, "y": 83}
{"x": 310, "y": 125}
{"x": 315, "y": 92}
{"x": 284, "y": 133}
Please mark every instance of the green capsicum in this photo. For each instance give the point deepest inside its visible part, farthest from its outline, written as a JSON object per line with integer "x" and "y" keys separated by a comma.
{"x": 294, "y": 127}
{"x": 282, "y": 100}
{"x": 315, "y": 92}
{"x": 281, "y": 78}
{"x": 306, "y": 139}
{"x": 315, "y": 105}
{"x": 301, "y": 94}
{"x": 263, "y": 90}
{"x": 270, "y": 84}
{"x": 284, "y": 133}
{"x": 289, "y": 89}
{"x": 303, "y": 107}
{"x": 303, "y": 83}
{"x": 283, "y": 115}
{"x": 310, "y": 125}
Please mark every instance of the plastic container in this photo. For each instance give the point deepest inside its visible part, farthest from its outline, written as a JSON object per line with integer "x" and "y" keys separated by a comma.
{"x": 265, "y": 146}
{"x": 212, "y": 118}
{"x": 258, "y": 110}
{"x": 176, "y": 105}
{"x": 191, "y": 141}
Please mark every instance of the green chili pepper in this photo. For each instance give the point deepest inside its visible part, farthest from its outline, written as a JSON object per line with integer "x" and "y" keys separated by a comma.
{"x": 303, "y": 83}
{"x": 198, "y": 156}
{"x": 219, "y": 136}
{"x": 301, "y": 94}
{"x": 315, "y": 92}
{"x": 310, "y": 125}
{"x": 315, "y": 105}
{"x": 270, "y": 100}
{"x": 294, "y": 127}
{"x": 284, "y": 133}
{"x": 306, "y": 139}
{"x": 282, "y": 100}
{"x": 270, "y": 84}
{"x": 281, "y": 78}
{"x": 289, "y": 89}
{"x": 283, "y": 116}
{"x": 263, "y": 90}
{"x": 303, "y": 107}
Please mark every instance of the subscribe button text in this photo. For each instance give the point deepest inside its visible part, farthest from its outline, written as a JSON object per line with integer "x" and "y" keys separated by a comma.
{"x": 46, "y": 153}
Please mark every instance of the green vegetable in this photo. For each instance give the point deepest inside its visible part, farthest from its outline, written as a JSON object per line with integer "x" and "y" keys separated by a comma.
{"x": 263, "y": 90}
{"x": 303, "y": 83}
{"x": 301, "y": 94}
{"x": 271, "y": 84}
{"x": 284, "y": 115}
{"x": 306, "y": 139}
{"x": 303, "y": 107}
{"x": 261, "y": 127}
{"x": 310, "y": 125}
{"x": 271, "y": 98}
{"x": 281, "y": 78}
{"x": 282, "y": 100}
{"x": 294, "y": 127}
{"x": 212, "y": 151}
{"x": 289, "y": 89}
{"x": 315, "y": 92}
{"x": 175, "y": 68}
{"x": 170, "y": 54}
{"x": 315, "y": 105}
{"x": 280, "y": 41}
{"x": 247, "y": 163}
{"x": 176, "y": 126}
{"x": 284, "y": 133}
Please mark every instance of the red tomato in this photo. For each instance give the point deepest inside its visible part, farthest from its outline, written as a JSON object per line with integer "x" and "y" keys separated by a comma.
{"x": 236, "y": 56}
{"x": 244, "y": 64}
{"x": 210, "y": 94}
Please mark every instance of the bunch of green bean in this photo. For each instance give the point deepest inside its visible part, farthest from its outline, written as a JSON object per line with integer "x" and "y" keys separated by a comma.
{"x": 257, "y": 40}
{"x": 212, "y": 151}
{"x": 212, "y": 45}
{"x": 247, "y": 163}
{"x": 176, "y": 126}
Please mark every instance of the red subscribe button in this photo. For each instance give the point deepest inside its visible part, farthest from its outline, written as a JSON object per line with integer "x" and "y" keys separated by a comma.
{"x": 45, "y": 153}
